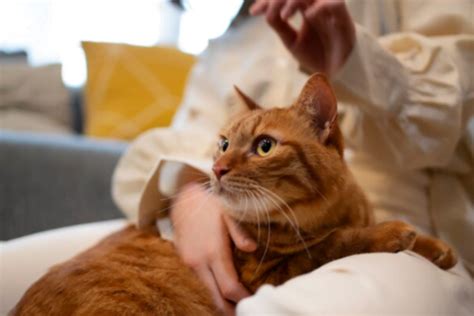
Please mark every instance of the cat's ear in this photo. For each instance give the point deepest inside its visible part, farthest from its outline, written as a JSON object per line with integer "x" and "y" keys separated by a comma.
{"x": 318, "y": 100}
{"x": 251, "y": 104}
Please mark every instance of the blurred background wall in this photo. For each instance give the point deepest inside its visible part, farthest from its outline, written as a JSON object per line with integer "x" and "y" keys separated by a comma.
{"x": 51, "y": 30}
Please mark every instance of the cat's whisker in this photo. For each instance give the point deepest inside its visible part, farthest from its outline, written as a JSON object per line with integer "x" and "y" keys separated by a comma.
{"x": 267, "y": 245}
{"x": 203, "y": 185}
{"x": 283, "y": 202}
{"x": 295, "y": 226}
{"x": 171, "y": 199}
{"x": 197, "y": 173}
{"x": 186, "y": 199}
{"x": 272, "y": 198}
{"x": 178, "y": 220}
{"x": 258, "y": 217}
{"x": 206, "y": 191}
{"x": 279, "y": 208}
{"x": 192, "y": 211}
{"x": 199, "y": 177}
{"x": 322, "y": 195}
{"x": 244, "y": 213}
{"x": 236, "y": 184}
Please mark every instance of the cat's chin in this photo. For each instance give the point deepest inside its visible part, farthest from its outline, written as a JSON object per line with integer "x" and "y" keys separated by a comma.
{"x": 219, "y": 190}
{"x": 243, "y": 208}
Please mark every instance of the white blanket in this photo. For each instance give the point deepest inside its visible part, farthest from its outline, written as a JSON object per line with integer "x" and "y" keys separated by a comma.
{"x": 369, "y": 284}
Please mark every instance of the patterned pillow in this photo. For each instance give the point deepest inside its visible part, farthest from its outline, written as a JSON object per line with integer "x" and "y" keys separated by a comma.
{"x": 131, "y": 89}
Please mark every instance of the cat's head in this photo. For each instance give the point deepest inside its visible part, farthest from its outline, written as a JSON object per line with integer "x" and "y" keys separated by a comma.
{"x": 268, "y": 158}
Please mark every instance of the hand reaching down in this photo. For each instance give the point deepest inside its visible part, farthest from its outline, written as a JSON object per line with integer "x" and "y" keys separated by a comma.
{"x": 326, "y": 37}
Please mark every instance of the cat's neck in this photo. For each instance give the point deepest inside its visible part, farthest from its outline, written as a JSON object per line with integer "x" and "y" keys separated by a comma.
{"x": 307, "y": 222}
{"x": 286, "y": 235}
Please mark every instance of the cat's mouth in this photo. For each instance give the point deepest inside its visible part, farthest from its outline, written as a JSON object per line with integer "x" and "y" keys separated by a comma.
{"x": 229, "y": 188}
{"x": 223, "y": 190}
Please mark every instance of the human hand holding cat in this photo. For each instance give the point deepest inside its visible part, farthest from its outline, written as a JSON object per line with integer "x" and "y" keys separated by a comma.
{"x": 202, "y": 238}
{"x": 326, "y": 37}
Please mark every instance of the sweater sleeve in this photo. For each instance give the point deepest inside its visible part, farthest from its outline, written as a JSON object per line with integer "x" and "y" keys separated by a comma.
{"x": 409, "y": 90}
{"x": 147, "y": 174}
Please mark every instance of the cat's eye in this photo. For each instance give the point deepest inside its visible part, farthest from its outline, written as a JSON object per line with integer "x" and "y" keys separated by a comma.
{"x": 265, "y": 146}
{"x": 223, "y": 144}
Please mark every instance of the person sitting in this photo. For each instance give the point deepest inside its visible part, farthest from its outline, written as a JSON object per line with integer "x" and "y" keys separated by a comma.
{"x": 405, "y": 86}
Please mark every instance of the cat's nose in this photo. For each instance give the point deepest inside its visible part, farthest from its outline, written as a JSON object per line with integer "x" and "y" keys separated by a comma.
{"x": 219, "y": 171}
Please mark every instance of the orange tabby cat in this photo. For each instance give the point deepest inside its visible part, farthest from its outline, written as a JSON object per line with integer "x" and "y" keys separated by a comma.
{"x": 281, "y": 174}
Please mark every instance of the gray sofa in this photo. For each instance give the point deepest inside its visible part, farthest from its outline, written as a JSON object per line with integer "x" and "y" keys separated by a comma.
{"x": 51, "y": 181}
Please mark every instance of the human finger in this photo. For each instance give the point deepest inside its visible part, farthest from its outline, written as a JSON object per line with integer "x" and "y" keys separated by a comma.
{"x": 205, "y": 275}
{"x": 291, "y": 7}
{"x": 239, "y": 237}
{"x": 334, "y": 26}
{"x": 229, "y": 308}
{"x": 227, "y": 279}
{"x": 319, "y": 11}
{"x": 316, "y": 16}
{"x": 259, "y": 7}
{"x": 284, "y": 30}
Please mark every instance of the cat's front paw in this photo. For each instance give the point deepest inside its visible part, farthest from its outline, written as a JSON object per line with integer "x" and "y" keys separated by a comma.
{"x": 393, "y": 236}
{"x": 436, "y": 251}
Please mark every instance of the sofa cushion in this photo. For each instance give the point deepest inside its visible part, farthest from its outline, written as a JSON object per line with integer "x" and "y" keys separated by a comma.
{"x": 131, "y": 89}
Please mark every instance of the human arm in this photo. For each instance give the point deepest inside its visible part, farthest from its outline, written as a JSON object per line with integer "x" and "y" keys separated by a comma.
{"x": 409, "y": 88}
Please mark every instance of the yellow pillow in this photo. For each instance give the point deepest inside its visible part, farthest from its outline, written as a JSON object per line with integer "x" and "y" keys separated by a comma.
{"x": 131, "y": 89}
